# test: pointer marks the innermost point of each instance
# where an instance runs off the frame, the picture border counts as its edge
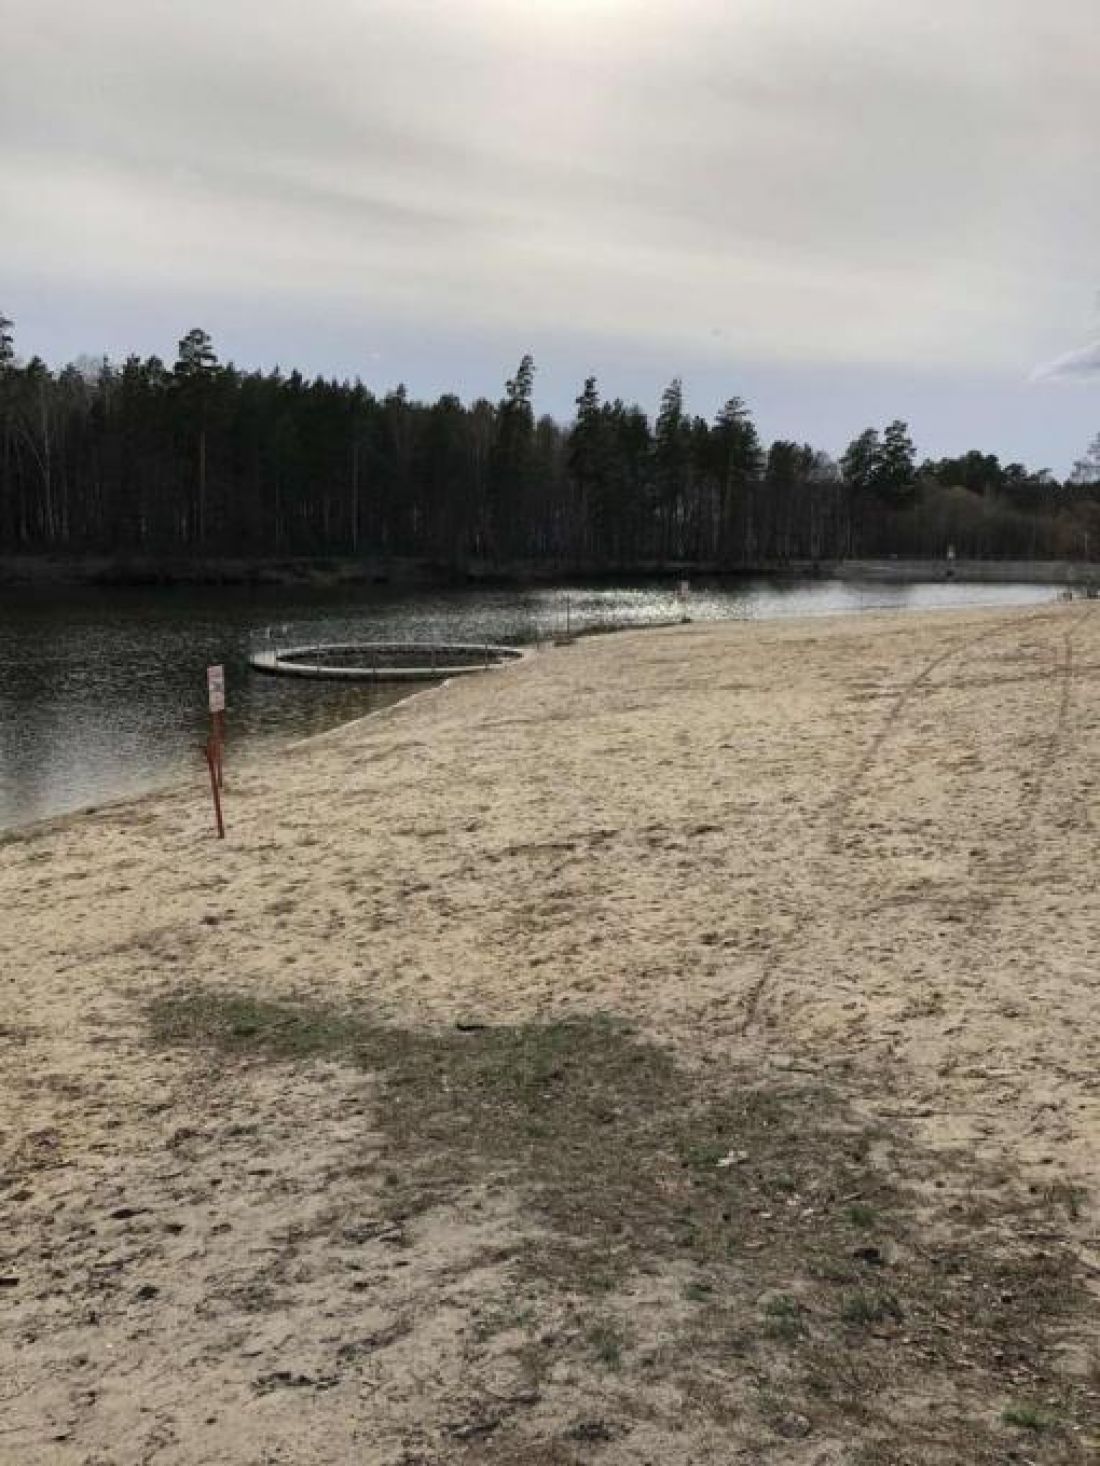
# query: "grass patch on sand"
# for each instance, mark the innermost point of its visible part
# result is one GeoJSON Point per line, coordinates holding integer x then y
{"type": "Point", "coordinates": [795, 1245]}
{"type": "Point", "coordinates": [1025, 1417]}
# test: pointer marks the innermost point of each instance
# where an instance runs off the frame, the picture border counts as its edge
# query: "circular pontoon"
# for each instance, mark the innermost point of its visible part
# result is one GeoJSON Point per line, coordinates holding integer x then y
{"type": "Point", "coordinates": [384, 661]}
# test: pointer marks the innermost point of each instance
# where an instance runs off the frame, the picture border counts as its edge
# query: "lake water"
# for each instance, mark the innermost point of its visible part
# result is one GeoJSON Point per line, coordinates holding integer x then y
{"type": "Point", "coordinates": [102, 692]}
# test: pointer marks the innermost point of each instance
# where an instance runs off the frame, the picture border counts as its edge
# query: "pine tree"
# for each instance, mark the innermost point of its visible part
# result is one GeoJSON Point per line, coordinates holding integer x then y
{"type": "Point", "coordinates": [195, 367]}
{"type": "Point", "coordinates": [589, 459]}
{"type": "Point", "coordinates": [738, 460]}
{"type": "Point", "coordinates": [895, 477]}
{"type": "Point", "coordinates": [670, 459]}
{"type": "Point", "coordinates": [511, 459]}
{"type": "Point", "coordinates": [859, 464]}
{"type": "Point", "coordinates": [1087, 469]}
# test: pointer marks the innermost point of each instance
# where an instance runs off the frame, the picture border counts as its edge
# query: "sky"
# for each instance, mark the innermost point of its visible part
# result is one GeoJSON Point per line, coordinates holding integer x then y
{"type": "Point", "coordinates": [843, 212]}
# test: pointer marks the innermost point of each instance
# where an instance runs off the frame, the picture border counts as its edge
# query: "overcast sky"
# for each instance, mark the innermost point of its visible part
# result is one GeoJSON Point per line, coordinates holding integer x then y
{"type": "Point", "coordinates": [842, 210]}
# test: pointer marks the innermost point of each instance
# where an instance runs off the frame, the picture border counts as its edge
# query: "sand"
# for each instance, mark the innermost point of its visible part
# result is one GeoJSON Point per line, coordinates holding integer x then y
{"type": "Point", "coordinates": [850, 847]}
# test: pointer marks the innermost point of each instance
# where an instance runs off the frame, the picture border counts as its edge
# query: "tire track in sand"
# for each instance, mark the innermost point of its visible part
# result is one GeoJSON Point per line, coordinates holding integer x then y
{"type": "Point", "coordinates": [839, 809]}
{"type": "Point", "coordinates": [1046, 762]}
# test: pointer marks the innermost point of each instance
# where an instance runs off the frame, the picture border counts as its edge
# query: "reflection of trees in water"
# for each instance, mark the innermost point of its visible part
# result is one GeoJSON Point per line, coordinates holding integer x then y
{"type": "Point", "coordinates": [35, 705]}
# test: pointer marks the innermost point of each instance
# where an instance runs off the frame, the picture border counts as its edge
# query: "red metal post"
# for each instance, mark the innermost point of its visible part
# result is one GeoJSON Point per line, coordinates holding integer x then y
{"type": "Point", "coordinates": [215, 783]}
{"type": "Point", "coordinates": [219, 743]}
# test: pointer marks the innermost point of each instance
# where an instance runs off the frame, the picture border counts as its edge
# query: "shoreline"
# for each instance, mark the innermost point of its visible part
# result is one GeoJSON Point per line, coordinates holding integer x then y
{"type": "Point", "coordinates": [185, 780]}
{"type": "Point", "coordinates": [851, 851]}
{"type": "Point", "coordinates": [59, 572]}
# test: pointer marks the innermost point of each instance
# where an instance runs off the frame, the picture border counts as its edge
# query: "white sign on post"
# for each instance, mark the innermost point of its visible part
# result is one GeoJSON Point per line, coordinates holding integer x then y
{"type": "Point", "coordinates": [215, 684]}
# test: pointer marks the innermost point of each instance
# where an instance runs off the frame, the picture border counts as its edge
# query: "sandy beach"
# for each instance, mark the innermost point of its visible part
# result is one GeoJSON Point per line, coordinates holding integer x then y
{"type": "Point", "coordinates": [841, 868]}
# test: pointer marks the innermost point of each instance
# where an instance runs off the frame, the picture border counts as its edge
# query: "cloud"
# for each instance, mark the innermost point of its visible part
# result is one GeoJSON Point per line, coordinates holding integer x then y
{"type": "Point", "coordinates": [864, 182]}
{"type": "Point", "coordinates": [1074, 366]}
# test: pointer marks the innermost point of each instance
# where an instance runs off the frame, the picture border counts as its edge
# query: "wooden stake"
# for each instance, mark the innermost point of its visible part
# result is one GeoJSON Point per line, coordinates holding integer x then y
{"type": "Point", "coordinates": [215, 783]}
{"type": "Point", "coordinates": [215, 683]}
{"type": "Point", "coordinates": [218, 719]}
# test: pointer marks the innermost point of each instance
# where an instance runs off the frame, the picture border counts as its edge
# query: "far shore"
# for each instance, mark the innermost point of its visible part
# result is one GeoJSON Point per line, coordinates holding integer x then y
{"type": "Point", "coordinates": [46, 571]}
{"type": "Point", "coordinates": [681, 1044]}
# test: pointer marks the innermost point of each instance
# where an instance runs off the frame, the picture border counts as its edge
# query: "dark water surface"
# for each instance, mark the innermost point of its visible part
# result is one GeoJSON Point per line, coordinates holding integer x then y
{"type": "Point", "coordinates": [102, 692]}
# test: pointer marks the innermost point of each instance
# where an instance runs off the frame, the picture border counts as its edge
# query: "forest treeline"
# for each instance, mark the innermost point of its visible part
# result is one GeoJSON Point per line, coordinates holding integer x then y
{"type": "Point", "coordinates": [198, 458]}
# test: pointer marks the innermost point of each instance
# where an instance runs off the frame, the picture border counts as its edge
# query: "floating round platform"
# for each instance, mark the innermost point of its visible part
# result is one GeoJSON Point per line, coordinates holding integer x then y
{"type": "Point", "coordinates": [384, 661]}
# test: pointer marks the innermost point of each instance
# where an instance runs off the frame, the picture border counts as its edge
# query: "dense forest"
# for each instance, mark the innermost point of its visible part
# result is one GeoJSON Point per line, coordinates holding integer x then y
{"type": "Point", "coordinates": [200, 459]}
